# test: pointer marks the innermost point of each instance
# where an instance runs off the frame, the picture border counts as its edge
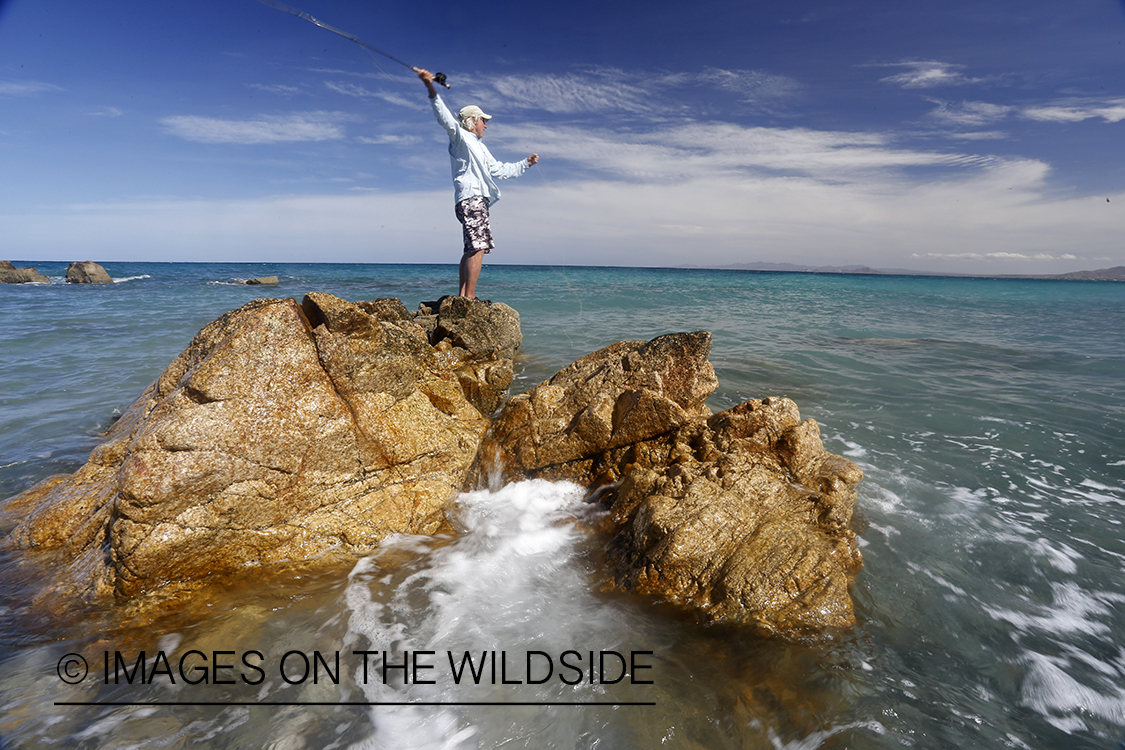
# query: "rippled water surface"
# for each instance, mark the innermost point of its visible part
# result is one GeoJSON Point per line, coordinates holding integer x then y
{"type": "Point", "coordinates": [987, 415]}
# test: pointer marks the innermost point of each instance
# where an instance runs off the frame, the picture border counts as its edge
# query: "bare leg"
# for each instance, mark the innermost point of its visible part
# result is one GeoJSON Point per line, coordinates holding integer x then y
{"type": "Point", "coordinates": [469, 273]}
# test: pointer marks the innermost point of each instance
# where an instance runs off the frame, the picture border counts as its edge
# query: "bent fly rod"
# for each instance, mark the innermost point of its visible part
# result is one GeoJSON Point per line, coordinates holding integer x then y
{"type": "Point", "coordinates": [438, 77]}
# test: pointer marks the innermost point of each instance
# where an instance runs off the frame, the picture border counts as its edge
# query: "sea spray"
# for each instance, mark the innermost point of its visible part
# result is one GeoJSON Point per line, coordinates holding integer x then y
{"type": "Point", "coordinates": [504, 614]}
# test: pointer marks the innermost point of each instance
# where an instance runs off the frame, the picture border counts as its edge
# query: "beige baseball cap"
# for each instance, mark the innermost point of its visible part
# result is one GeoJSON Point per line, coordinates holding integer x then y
{"type": "Point", "coordinates": [473, 111]}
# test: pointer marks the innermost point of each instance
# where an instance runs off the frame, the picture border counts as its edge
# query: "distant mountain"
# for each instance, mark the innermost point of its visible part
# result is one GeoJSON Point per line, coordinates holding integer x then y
{"type": "Point", "coordinates": [1117, 273]}
{"type": "Point", "coordinates": [795, 268]}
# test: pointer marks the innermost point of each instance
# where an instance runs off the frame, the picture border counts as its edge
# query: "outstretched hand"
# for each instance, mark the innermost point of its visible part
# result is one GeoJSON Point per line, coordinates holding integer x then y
{"type": "Point", "coordinates": [428, 79]}
{"type": "Point", "coordinates": [533, 160]}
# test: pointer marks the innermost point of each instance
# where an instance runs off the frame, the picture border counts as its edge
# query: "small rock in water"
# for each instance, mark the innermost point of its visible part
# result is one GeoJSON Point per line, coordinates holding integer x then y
{"type": "Point", "coordinates": [87, 272]}
{"type": "Point", "coordinates": [9, 274]}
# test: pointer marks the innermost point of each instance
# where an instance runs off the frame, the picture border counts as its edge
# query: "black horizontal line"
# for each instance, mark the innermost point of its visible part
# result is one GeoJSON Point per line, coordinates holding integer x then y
{"type": "Point", "coordinates": [355, 703]}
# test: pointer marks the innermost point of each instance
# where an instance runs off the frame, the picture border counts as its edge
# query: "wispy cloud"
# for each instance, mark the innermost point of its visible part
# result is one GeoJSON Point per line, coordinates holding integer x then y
{"type": "Point", "coordinates": [303, 126]}
{"type": "Point", "coordinates": [1110, 110]}
{"type": "Point", "coordinates": [596, 92]}
{"type": "Point", "coordinates": [361, 92]}
{"type": "Point", "coordinates": [277, 88]}
{"type": "Point", "coordinates": [751, 85]}
{"type": "Point", "coordinates": [997, 256]}
{"type": "Point", "coordinates": [612, 91]}
{"type": "Point", "coordinates": [390, 140]}
{"type": "Point", "coordinates": [105, 112]}
{"type": "Point", "coordinates": [925, 74]}
{"type": "Point", "coordinates": [26, 88]}
{"type": "Point", "coordinates": [969, 114]}
{"type": "Point", "coordinates": [702, 150]}
{"type": "Point", "coordinates": [982, 114]}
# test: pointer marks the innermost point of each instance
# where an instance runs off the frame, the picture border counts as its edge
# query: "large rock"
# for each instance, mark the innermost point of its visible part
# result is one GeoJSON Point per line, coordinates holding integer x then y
{"type": "Point", "coordinates": [9, 274]}
{"type": "Point", "coordinates": [290, 432]}
{"type": "Point", "coordinates": [742, 515]}
{"type": "Point", "coordinates": [285, 431]}
{"type": "Point", "coordinates": [622, 394]}
{"type": "Point", "coordinates": [87, 272]}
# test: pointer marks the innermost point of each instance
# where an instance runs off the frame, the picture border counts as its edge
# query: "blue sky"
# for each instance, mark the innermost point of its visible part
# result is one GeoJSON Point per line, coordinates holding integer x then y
{"type": "Point", "coordinates": [973, 137]}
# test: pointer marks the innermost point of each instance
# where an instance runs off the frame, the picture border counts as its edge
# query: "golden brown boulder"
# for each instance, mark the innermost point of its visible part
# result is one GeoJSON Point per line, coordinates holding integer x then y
{"type": "Point", "coordinates": [742, 515]}
{"type": "Point", "coordinates": [283, 432]}
{"type": "Point", "coordinates": [622, 394]}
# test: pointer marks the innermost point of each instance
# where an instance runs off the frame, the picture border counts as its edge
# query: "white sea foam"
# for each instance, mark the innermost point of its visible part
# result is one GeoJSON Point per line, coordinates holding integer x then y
{"type": "Point", "coordinates": [512, 581]}
{"type": "Point", "coordinates": [1073, 685]}
{"type": "Point", "coordinates": [1074, 610]}
{"type": "Point", "coordinates": [818, 739]}
{"type": "Point", "coordinates": [1059, 554]}
{"type": "Point", "coordinates": [123, 279]}
{"type": "Point", "coordinates": [1064, 701]}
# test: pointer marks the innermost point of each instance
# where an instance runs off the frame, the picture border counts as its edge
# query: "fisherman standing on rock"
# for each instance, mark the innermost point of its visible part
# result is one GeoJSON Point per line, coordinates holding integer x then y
{"type": "Point", "coordinates": [474, 179]}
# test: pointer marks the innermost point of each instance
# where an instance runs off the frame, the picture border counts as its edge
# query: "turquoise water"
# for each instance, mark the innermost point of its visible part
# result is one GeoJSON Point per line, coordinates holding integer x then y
{"type": "Point", "coordinates": [988, 416]}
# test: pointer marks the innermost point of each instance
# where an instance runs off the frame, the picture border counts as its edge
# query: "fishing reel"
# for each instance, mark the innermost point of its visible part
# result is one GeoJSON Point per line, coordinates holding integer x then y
{"type": "Point", "coordinates": [438, 77]}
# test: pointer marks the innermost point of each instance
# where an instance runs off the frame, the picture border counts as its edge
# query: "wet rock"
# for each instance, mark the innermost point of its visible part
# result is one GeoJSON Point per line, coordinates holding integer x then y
{"type": "Point", "coordinates": [263, 281]}
{"type": "Point", "coordinates": [741, 515]}
{"type": "Point", "coordinates": [87, 272]}
{"type": "Point", "coordinates": [9, 274]}
{"type": "Point", "coordinates": [283, 432]}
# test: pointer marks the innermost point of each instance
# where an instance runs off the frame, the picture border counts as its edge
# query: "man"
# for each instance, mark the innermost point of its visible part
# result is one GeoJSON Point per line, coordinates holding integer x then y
{"type": "Point", "coordinates": [474, 180]}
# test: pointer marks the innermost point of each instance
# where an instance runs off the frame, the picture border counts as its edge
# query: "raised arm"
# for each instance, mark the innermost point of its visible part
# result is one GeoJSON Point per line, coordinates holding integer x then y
{"type": "Point", "coordinates": [441, 112]}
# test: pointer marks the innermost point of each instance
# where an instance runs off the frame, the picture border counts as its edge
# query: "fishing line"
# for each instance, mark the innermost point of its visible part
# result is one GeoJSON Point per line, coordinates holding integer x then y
{"type": "Point", "coordinates": [438, 77]}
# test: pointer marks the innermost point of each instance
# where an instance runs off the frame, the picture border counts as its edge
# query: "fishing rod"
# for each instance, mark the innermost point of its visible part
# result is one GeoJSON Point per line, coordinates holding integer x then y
{"type": "Point", "coordinates": [438, 77]}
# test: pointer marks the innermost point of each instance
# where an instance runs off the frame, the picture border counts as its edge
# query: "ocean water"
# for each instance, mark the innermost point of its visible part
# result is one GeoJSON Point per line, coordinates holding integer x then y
{"type": "Point", "coordinates": [987, 414]}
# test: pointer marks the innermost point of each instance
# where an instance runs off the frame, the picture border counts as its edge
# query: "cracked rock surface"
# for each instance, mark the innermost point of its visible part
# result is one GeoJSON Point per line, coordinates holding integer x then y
{"type": "Point", "coordinates": [285, 431]}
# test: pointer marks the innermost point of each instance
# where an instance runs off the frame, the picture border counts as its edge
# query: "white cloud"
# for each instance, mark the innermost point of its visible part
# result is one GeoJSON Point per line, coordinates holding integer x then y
{"type": "Point", "coordinates": [26, 88]}
{"type": "Point", "coordinates": [359, 92]}
{"type": "Point", "coordinates": [750, 85]}
{"type": "Point", "coordinates": [390, 140]}
{"type": "Point", "coordinates": [276, 88]}
{"type": "Point", "coordinates": [596, 92]}
{"type": "Point", "coordinates": [702, 150]}
{"type": "Point", "coordinates": [928, 74]}
{"type": "Point", "coordinates": [998, 256]}
{"type": "Point", "coordinates": [303, 126]}
{"type": "Point", "coordinates": [106, 112]}
{"type": "Point", "coordinates": [1111, 110]}
{"type": "Point", "coordinates": [969, 114]}
{"type": "Point", "coordinates": [604, 91]}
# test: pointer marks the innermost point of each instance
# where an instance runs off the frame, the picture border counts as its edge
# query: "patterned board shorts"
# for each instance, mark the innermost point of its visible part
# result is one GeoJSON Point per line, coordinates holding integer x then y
{"type": "Point", "coordinates": [473, 215]}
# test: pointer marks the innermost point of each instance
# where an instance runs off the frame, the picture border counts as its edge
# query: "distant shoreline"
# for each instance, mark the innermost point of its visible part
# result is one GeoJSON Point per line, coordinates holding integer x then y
{"type": "Point", "coordinates": [1117, 273]}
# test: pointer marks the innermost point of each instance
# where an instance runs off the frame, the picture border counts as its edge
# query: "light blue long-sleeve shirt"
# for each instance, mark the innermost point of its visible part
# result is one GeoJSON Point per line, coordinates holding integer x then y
{"type": "Point", "coordinates": [474, 170]}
